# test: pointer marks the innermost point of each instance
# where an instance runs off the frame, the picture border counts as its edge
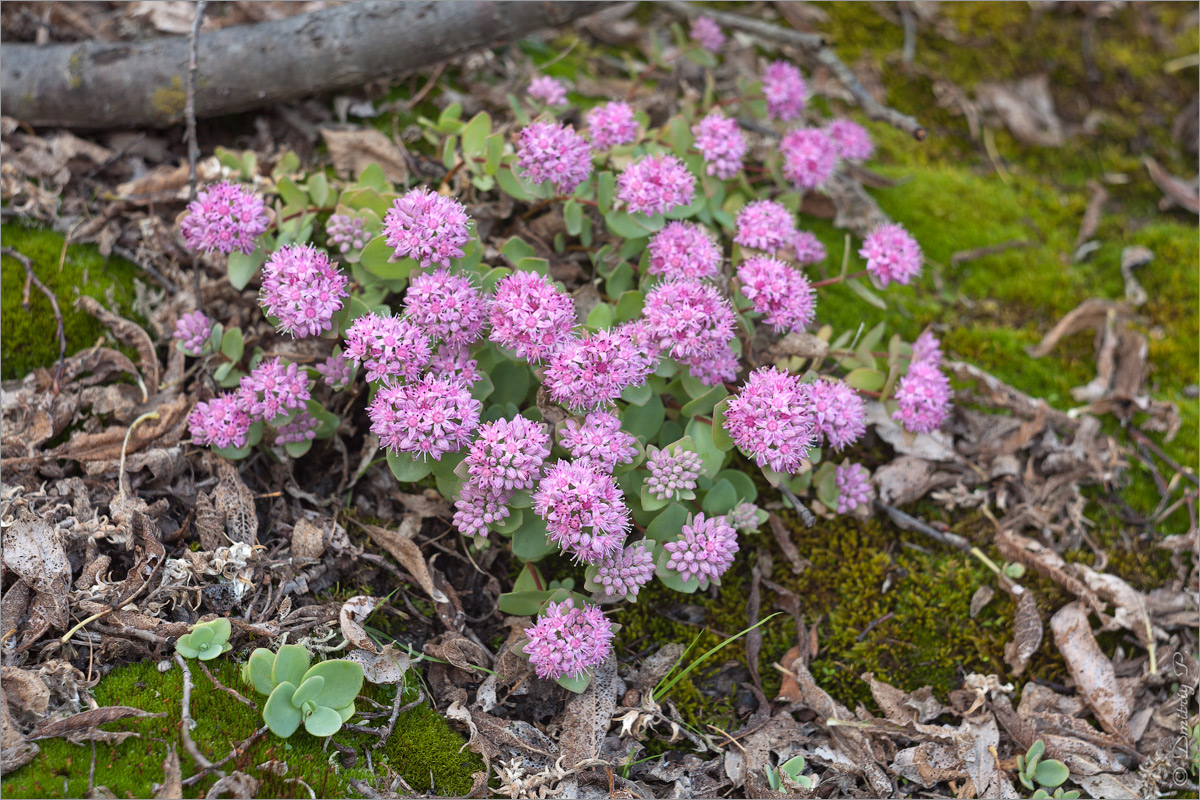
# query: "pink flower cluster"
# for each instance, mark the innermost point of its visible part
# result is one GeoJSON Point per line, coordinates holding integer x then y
{"type": "Point", "coordinates": [655, 185]}
{"type": "Point", "coordinates": [598, 441]}
{"type": "Point", "coordinates": [672, 471]}
{"type": "Point", "coordinates": [765, 225]}
{"type": "Point", "coordinates": [447, 306]}
{"type": "Point", "coordinates": [722, 144]}
{"type": "Point", "coordinates": [611, 124]}
{"type": "Point", "coordinates": [454, 361]}
{"type": "Point", "coordinates": [346, 233]}
{"type": "Point", "coordinates": [809, 157]}
{"type": "Point", "coordinates": [923, 394]}
{"type": "Point", "coordinates": [785, 90]}
{"type": "Point", "coordinates": [193, 331]}
{"type": "Point", "coordinates": [684, 250]}
{"type": "Point", "coordinates": [778, 291]}
{"type": "Point", "coordinates": [389, 347]}
{"type": "Point", "coordinates": [548, 151]}
{"type": "Point", "coordinates": [272, 388]}
{"type": "Point", "coordinates": [688, 320]}
{"type": "Point", "coordinates": [838, 411]}
{"type": "Point", "coordinates": [548, 90]}
{"type": "Point", "coordinates": [852, 141]}
{"type": "Point", "coordinates": [704, 549]}
{"type": "Point", "coordinates": [770, 420]}
{"type": "Point", "coordinates": [626, 571]}
{"type": "Point", "coordinates": [717, 368]}
{"type": "Point", "coordinates": [744, 517]}
{"type": "Point", "coordinates": [808, 247]}
{"type": "Point", "coordinates": [478, 509]}
{"type": "Point", "coordinates": [220, 422]}
{"type": "Point", "coordinates": [854, 487]}
{"type": "Point", "coordinates": [302, 289]}
{"type": "Point", "coordinates": [589, 372]}
{"type": "Point", "coordinates": [584, 510]}
{"type": "Point", "coordinates": [336, 371]}
{"type": "Point", "coordinates": [427, 227]}
{"type": "Point", "coordinates": [568, 641]}
{"type": "Point", "coordinates": [224, 218]}
{"type": "Point", "coordinates": [892, 254]}
{"type": "Point", "coordinates": [707, 34]}
{"type": "Point", "coordinates": [428, 419]}
{"type": "Point", "coordinates": [530, 316]}
{"type": "Point", "coordinates": [507, 456]}
{"type": "Point", "coordinates": [301, 429]}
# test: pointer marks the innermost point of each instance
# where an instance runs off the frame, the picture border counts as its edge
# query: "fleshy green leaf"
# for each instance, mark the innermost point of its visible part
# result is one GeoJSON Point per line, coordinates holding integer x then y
{"type": "Point", "coordinates": [530, 542]}
{"type": "Point", "coordinates": [280, 715]}
{"type": "Point", "coordinates": [742, 482]}
{"type": "Point", "coordinates": [720, 437]}
{"type": "Point", "coordinates": [221, 629]}
{"type": "Point", "coordinates": [672, 579]}
{"type": "Point", "coordinates": [720, 499]}
{"type": "Point", "coordinates": [324, 721]}
{"type": "Point", "coordinates": [523, 604]}
{"type": "Point", "coordinates": [242, 267]}
{"type": "Point", "coordinates": [475, 134]}
{"type": "Point", "coordinates": [343, 682]}
{"type": "Point", "coordinates": [308, 690]}
{"type": "Point", "coordinates": [406, 468]}
{"type": "Point", "coordinates": [257, 672]}
{"type": "Point", "coordinates": [577, 684]}
{"type": "Point", "coordinates": [232, 344]}
{"type": "Point", "coordinates": [645, 420]}
{"type": "Point", "coordinates": [346, 713]}
{"type": "Point", "coordinates": [667, 525]}
{"type": "Point", "coordinates": [200, 636]}
{"type": "Point", "coordinates": [183, 646]}
{"type": "Point", "coordinates": [291, 662]}
{"type": "Point", "coordinates": [1051, 773]}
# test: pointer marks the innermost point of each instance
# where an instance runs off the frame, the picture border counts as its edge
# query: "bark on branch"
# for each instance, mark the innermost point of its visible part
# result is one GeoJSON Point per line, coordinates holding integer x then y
{"type": "Point", "coordinates": [96, 85]}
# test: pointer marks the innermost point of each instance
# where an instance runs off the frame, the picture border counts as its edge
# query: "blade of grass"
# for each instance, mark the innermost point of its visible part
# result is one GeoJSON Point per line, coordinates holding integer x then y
{"type": "Point", "coordinates": [660, 691]}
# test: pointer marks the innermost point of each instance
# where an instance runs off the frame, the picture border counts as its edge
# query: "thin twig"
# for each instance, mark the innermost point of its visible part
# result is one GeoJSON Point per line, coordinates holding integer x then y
{"type": "Point", "coordinates": [189, 115]}
{"type": "Point", "coordinates": [806, 516]}
{"type": "Point", "coordinates": [125, 448]}
{"type": "Point", "coordinates": [30, 278]}
{"type": "Point", "coordinates": [814, 43]}
{"type": "Point", "coordinates": [397, 710]}
{"type": "Point", "coordinates": [188, 722]}
{"type": "Point", "coordinates": [963, 256]}
{"type": "Point", "coordinates": [236, 751]}
{"type": "Point", "coordinates": [911, 523]}
{"type": "Point", "coordinates": [234, 693]}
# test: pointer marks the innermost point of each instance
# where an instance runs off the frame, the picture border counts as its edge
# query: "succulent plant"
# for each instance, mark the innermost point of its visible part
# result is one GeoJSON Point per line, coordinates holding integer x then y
{"type": "Point", "coordinates": [793, 768]}
{"type": "Point", "coordinates": [206, 640]}
{"type": "Point", "coordinates": [321, 696]}
{"type": "Point", "coordinates": [1035, 772]}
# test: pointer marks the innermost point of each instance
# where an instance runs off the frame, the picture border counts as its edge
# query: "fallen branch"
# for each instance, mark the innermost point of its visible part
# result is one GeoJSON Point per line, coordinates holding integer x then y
{"type": "Point", "coordinates": [234, 693]}
{"type": "Point", "coordinates": [30, 278]}
{"type": "Point", "coordinates": [94, 85]}
{"type": "Point", "coordinates": [187, 722]}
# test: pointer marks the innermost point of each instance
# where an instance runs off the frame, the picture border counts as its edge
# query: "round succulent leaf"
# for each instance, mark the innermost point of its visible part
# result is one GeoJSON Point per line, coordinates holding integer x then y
{"type": "Point", "coordinates": [257, 671]}
{"type": "Point", "coordinates": [200, 637]}
{"type": "Point", "coordinates": [346, 712]}
{"type": "Point", "coordinates": [221, 629]}
{"type": "Point", "coordinates": [577, 683]}
{"type": "Point", "coordinates": [343, 681]}
{"type": "Point", "coordinates": [308, 690]}
{"type": "Point", "coordinates": [323, 721]}
{"type": "Point", "coordinates": [291, 662]}
{"type": "Point", "coordinates": [672, 579]}
{"type": "Point", "coordinates": [1051, 773]}
{"type": "Point", "coordinates": [183, 646]}
{"type": "Point", "coordinates": [211, 651]}
{"type": "Point", "coordinates": [280, 715]}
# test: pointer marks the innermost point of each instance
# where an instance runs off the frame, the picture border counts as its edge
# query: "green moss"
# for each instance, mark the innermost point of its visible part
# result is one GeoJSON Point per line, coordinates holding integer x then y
{"type": "Point", "coordinates": [27, 337]}
{"type": "Point", "coordinates": [423, 749]}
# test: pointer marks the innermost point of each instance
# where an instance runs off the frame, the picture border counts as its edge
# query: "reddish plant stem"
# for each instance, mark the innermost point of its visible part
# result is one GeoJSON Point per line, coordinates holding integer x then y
{"type": "Point", "coordinates": [839, 279]}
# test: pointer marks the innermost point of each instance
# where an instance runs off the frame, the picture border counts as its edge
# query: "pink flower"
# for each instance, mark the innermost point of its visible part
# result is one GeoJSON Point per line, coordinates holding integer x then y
{"type": "Point", "coordinates": [427, 227]}
{"type": "Point", "coordinates": [224, 218]}
{"type": "Point", "coordinates": [567, 641]}
{"type": "Point", "coordinates": [683, 250]}
{"type": "Point", "coordinates": [892, 254]}
{"type": "Point", "coordinates": [851, 139]}
{"type": "Point", "coordinates": [838, 411]}
{"type": "Point", "coordinates": [301, 429]}
{"type": "Point", "coordinates": [704, 549]}
{"type": "Point", "coordinates": [530, 316]}
{"type": "Point", "coordinates": [389, 347]}
{"type": "Point", "coordinates": [922, 398]}
{"type": "Point", "coordinates": [429, 418]}
{"type": "Point", "coordinates": [716, 368]}
{"type": "Point", "coordinates": [778, 291]}
{"type": "Point", "coordinates": [770, 420]}
{"type": "Point", "coordinates": [220, 422]}
{"type": "Point", "coordinates": [785, 90]}
{"type": "Point", "coordinates": [808, 247]}
{"type": "Point", "coordinates": [271, 389]}
{"type": "Point", "coordinates": [688, 319]}
{"type": "Point", "coordinates": [598, 441]}
{"type": "Point", "coordinates": [453, 361]}
{"type": "Point", "coordinates": [548, 90]}
{"type": "Point", "coordinates": [854, 487]}
{"type": "Point", "coordinates": [744, 517]}
{"type": "Point", "coordinates": [548, 151]}
{"type": "Point", "coordinates": [584, 510]}
{"type": "Point", "coordinates": [591, 371]}
{"type": "Point", "coordinates": [447, 306]}
{"type": "Point", "coordinates": [765, 225]}
{"type": "Point", "coordinates": [655, 185]}
{"type": "Point", "coordinates": [611, 124]}
{"type": "Point", "coordinates": [626, 571]}
{"type": "Point", "coordinates": [809, 157]}
{"type": "Point", "coordinates": [672, 471]}
{"type": "Point", "coordinates": [477, 509]}
{"type": "Point", "coordinates": [346, 233]}
{"type": "Point", "coordinates": [927, 348]}
{"type": "Point", "coordinates": [193, 332]}
{"type": "Point", "coordinates": [707, 34]}
{"type": "Point", "coordinates": [337, 371]}
{"type": "Point", "coordinates": [722, 144]}
{"type": "Point", "coordinates": [507, 455]}
{"type": "Point", "coordinates": [302, 289]}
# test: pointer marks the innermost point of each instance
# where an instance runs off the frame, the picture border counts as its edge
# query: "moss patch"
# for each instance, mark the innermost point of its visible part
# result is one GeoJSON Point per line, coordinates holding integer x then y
{"type": "Point", "coordinates": [423, 749]}
{"type": "Point", "coordinates": [27, 336]}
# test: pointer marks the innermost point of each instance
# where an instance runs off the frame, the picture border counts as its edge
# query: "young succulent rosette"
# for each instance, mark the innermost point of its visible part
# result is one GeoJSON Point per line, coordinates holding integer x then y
{"type": "Point", "coordinates": [321, 696]}
{"type": "Point", "coordinates": [206, 640]}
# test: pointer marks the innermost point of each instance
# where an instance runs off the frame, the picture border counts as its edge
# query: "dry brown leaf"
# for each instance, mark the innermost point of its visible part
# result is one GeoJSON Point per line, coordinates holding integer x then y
{"type": "Point", "coordinates": [234, 501]}
{"type": "Point", "coordinates": [15, 750]}
{"type": "Point", "coordinates": [402, 548]}
{"type": "Point", "coordinates": [1176, 191]}
{"type": "Point", "coordinates": [85, 720]}
{"type": "Point", "coordinates": [131, 334]}
{"type": "Point", "coordinates": [161, 183]}
{"type": "Point", "coordinates": [352, 151]}
{"type": "Point", "coordinates": [25, 692]}
{"type": "Point", "coordinates": [388, 666]}
{"type": "Point", "coordinates": [353, 615]}
{"type": "Point", "coordinates": [1026, 108]}
{"type": "Point", "coordinates": [106, 444]}
{"type": "Point", "coordinates": [588, 715]}
{"type": "Point", "coordinates": [904, 708]}
{"type": "Point", "coordinates": [236, 785]}
{"type": "Point", "coordinates": [983, 595]}
{"type": "Point", "coordinates": [150, 558]}
{"type": "Point", "coordinates": [34, 550]}
{"type": "Point", "coordinates": [1092, 671]}
{"type": "Point", "coordinates": [1048, 564]}
{"type": "Point", "coordinates": [1027, 630]}
{"type": "Point", "coordinates": [172, 785]}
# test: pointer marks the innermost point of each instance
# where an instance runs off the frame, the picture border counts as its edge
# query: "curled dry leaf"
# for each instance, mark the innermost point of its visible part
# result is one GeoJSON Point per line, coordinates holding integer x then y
{"type": "Point", "coordinates": [105, 445]}
{"type": "Point", "coordinates": [86, 720]}
{"type": "Point", "coordinates": [235, 784]}
{"type": "Point", "coordinates": [308, 540]}
{"type": "Point", "coordinates": [150, 558]}
{"type": "Point", "coordinates": [588, 715]}
{"type": "Point", "coordinates": [401, 546]}
{"type": "Point", "coordinates": [1176, 191]}
{"type": "Point", "coordinates": [354, 150]}
{"type": "Point", "coordinates": [353, 616]}
{"type": "Point", "coordinates": [1091, 670]}
{"type": "Point", "coordinates": [388, 666]}
{"type": "Point", "coordinates": [25, 693]}
{"type": "Point", "coordinates": [1026, 108]}
{"type": "Point", "coordinates": [234, 501]}
{"type": "Point", "coordinates": [15, 750]}
{"type": "Point", "coordinates": [172, 785]}
{"type": "Point", "coordinates": [33, 550]}
{"type": "Point", "coordinates": [131, 334]}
